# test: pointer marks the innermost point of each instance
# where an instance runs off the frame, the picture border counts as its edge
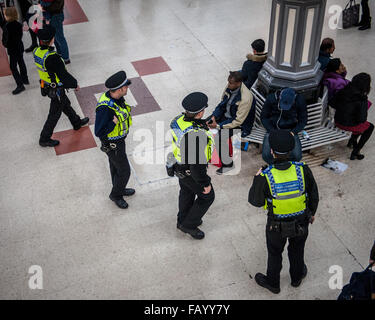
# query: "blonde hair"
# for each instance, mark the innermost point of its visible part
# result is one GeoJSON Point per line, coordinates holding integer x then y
{"type": "Point", "coordinates": [11, 14]}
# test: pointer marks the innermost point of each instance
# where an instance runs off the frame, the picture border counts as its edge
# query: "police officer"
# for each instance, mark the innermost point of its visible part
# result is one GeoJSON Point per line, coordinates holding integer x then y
{"type": "Point", "coordinates": [54, 79]}
{"type": "Point", "coordinates": [112, 124]}
{"type": "Point", "coordinates": [192, 150]}
{"type": "Point", "coordinates": [289, 192]}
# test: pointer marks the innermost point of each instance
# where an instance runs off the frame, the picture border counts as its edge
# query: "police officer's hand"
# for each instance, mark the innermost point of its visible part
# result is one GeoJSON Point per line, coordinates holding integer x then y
{"type": "Point", "coordinates": [115, 119]}
{"type": "Point", "coordinates": [207, 190]}
{"type": "Point", "coordinates": [372, 254]}
{"type": "Point", "coordinates": [312, 219]}
{"type": "Point", "coordinates": [259, 172]}
{"type": "Point", "coordinates": [213, 123]}
{"type": "Point", "coordinates": [77, 89]}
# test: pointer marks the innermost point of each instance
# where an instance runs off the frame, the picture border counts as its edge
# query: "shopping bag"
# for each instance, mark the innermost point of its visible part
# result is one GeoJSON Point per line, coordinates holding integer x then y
{"type": "Point", "coordinates": [350, 15]}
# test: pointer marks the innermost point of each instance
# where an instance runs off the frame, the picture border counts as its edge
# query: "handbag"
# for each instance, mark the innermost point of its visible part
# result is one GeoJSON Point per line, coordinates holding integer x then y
{"type": "Point", "coordinates": [350, 15]}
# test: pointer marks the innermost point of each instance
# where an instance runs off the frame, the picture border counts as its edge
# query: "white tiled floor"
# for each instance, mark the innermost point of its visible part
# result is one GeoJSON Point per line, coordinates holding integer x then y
{"type": "Point", "coordinates": [55, 211]}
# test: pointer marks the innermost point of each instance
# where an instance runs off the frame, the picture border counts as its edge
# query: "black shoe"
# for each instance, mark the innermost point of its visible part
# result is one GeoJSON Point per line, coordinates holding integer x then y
{"type": "Point", "coordinates": [298, 283]}
{"type": "Point", "coordinates": [49, 143]}
{"type": "Point", "coordinates": [120, 202]}
{"type": "Point", "coordinates": [84, 121]}
{"type": "Point", "coordinates": [195, 233]}
{"type": "Point", "coordinates": [366, 25]}
{"type": "Point", "coordinates": [129, 192]}
{"type": "Point", "coordinates": [261, 280]}
{"type": "Point", "coordinates": [224, 169]}
{"type": "Point", "coordinates": [356, 156]}
{"type": "Point", "coordinates": [18, 90]}
{"type": "Point", "coordinates": [67, 61]}
{"type": "Point", "coordinates": [26, 81]}
{"type": "Point", "coordinates": [31, 48]}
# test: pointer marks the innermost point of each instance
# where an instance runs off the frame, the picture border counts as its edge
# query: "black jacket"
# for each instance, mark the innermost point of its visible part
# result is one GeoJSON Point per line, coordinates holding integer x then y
{"type": "Point", "coordinates": [54, 64]}
{"type": "Point", "coordinates": [351, 106]}
{"type": "Point", "coordinates": [56, 7]}
{"type": "Point", "coordinates": [198, 169]}
{"type": "Point", "coordinates": [260, 191]}
{"type": "Point", "coordinates": [273, 118]}
{"type": "Point", "coordinates": [251, 68]}
{"type": "Point", "coordinates": [12, 37]}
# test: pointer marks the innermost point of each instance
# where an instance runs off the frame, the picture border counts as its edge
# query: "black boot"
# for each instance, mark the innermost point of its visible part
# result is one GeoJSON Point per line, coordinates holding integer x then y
{"type": "Point", "coordinates": [195, 233]}
{"type": "Point", "coordinates": [18, 90]}
{"type": "Point", "coordinates": [360, 23]}
{"type": "Point", "coordinates": [83, 122]}
{"type": "Point", "coordinates": [49, 143]}
{"type": "Point", "coordinates": [262, 281]}
{"type": "Point", "coordinates": [120, 202]}
{"type": "Point", "coordinates": [356, 155]}
{"type": "Point", "coordinates": [366, 25]}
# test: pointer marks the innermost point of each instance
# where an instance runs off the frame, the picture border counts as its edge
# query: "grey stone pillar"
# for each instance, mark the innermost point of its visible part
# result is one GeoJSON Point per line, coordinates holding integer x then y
{"type": "Point", "coordinates": [294, 41]}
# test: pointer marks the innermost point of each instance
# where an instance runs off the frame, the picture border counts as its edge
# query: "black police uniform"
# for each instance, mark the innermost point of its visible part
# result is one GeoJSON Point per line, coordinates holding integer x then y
{"type": "Point", "coordinates": [193, 177]}
{"type": "Point", "coordinates": [258, 195]}
{"type": "Point", "coordinates": [115, 149]}
{"type": "Point", "coordinates": [59, 102]}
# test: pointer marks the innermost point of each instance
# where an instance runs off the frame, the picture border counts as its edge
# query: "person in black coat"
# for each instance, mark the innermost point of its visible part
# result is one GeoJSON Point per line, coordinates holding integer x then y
{"type": "Point", "coordinates": [285, 110]}
{"type": "Point", "coordinates": [351, 104]}
{"type": "Point", "coordinates": [365, 22]}
{"type": "Point", "coordinates": [254, 63]}
{"type": "Point", "coordinates": [12, 40]}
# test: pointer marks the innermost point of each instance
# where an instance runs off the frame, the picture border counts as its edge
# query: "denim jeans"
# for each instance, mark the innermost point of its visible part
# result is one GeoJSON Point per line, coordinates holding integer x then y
{"type": "Point", "coordinates": [295, 155]}
{"type": "Point", "coordinates": [60, 41]}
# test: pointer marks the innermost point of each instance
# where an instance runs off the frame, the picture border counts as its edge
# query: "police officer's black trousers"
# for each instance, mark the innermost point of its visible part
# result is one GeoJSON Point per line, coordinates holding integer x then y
{"type": "Point", "coordinates": [296, 250]}
{"type": "Point", "coordinates": [120, 169]}
{"type": "Point", "coordinates": [58, 106]}
{"type": "Point", "coordinates": [193, 204]}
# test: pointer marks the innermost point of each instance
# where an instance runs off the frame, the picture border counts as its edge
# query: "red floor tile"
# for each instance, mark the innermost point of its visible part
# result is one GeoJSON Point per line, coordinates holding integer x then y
{"type": "Point", "coordinates": [151, 66]}
{"type": "Point", "coordinates": [73, 12]}
{"type": "Point", "coordinates": [4, 63]}
{"type": "Point", "coordinates": [73, 141]}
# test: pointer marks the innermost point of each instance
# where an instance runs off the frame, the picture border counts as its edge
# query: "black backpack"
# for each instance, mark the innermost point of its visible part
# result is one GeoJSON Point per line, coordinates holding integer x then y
{"type": "Point", "coordinates": [360, 287]}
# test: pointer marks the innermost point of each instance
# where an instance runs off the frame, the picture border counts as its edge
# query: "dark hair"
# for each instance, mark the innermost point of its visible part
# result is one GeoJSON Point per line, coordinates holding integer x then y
{"type": "Point", "coordinates": [327, 43]}
{"type": "Point", "coordinates": [333, 65]}
{"type": "Point", "coordinates": [362, 82]}
{"type": "Point", "coordinates": [258, 45]}
{"type": "Point", "coordinates": [236, 76]}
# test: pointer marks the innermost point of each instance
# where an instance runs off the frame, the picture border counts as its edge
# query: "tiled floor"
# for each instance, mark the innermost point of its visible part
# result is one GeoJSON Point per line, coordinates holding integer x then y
{"type": "Point", "coordinates": [73, 141]}
{"type": "Point", "coordinates": [73, 13]}
{"type": "Point", "coordinates": [55, 211]}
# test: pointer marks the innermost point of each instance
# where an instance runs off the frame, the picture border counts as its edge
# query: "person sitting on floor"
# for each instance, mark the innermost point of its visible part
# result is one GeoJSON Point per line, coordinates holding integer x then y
{"type": "Point", "coordinates": [334, 77]}
{"type": "Point", "coordinates": [352, 104]}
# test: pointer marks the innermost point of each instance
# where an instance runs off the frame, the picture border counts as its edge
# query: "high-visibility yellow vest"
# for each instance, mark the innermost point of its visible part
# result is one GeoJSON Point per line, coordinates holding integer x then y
{"type": "Point", "coordinates": [288, 190]}
{"type": "Point", "coordinates": [40, 57]}
{"type": "Point", "coordinates": [180, 128]}
{"type": "Point", "coordinates": [123, 115]}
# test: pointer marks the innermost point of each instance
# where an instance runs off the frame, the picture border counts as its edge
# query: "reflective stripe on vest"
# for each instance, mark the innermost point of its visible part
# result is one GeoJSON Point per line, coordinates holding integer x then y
{"type": "Point", "coordinates": [121, 129]}
{"type": "Point", "coordinates": [40, 57]}
{"type": "Point", "coordinates": [287, 189]}
{"type": "Point", "coordinates": [180, 128]}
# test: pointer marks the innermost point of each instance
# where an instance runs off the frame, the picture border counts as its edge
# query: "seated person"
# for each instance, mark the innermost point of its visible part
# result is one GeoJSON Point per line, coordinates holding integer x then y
{"type": "Point", "coordinates": [326, 50]}
{"type": "Point", "coordinates": [234, 110]}
{"type": "Point", "coordinates": [285, 110]}
{"type": "Point", "coordinates": [351, 104]}
{"type": "Point", "coordinates": [334, 77]}
{"type": "Point", "coordinates": [254, 63]}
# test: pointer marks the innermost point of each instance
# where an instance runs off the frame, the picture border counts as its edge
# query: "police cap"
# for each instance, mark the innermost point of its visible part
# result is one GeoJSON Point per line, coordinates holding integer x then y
{"type": "Point", "coordinates": [117, 81]}
{"type": "Point", "coordinates": [195, 102]}
{"type": "Point", "coordinates": [281, 141]}
{"type": "Point", "coordinates": [46, 33]}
